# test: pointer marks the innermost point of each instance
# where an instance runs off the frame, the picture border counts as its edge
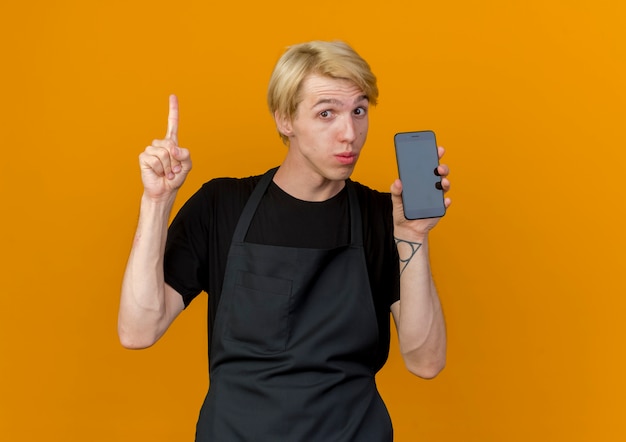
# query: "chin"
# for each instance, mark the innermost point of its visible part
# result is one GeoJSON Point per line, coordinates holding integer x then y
{"type": "Point", "coordinates": [343, 174]}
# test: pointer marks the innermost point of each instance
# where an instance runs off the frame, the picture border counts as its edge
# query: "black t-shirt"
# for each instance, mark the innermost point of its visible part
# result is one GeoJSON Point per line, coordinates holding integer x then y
{"type": "Point", "coordinates": [199, 238]}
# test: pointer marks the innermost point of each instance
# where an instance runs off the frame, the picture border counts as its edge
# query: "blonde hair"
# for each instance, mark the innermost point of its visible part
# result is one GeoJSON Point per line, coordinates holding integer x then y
{"type": "Point", "coordinates": [332, 59]}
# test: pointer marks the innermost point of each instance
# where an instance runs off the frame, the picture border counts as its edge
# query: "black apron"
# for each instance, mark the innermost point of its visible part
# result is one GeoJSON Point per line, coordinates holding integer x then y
{"type": "Point", "coordinates": [293, 349]}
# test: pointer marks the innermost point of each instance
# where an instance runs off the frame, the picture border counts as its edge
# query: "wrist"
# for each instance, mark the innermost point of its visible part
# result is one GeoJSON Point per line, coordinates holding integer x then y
{"type": "Point", "coordinates": [158, 203]}
{"type": "Point", "coordinates": [410, 235]}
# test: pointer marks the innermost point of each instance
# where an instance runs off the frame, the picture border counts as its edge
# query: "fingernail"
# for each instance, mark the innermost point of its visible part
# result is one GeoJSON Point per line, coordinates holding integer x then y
{"type": "Point", "coordinates": [437, 171]}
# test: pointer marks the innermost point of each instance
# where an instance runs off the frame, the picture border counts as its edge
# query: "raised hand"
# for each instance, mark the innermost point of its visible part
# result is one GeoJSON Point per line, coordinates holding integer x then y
{"type": "Point", "coordinates": [164, 164]}
{"type": "Point", "coordinates": [419, 226]}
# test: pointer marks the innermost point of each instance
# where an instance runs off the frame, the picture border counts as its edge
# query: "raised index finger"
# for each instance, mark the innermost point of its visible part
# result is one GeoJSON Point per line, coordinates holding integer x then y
{"type": "Point", "coordinates": [172, 120]}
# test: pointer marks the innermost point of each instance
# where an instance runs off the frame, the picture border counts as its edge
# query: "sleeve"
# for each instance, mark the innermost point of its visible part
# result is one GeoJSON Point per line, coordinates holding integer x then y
{"type": "Point", "coordinates": [391, 269]}
{"type": "Point", "coordinates": [199, 237]}
{"type": "Point", "coordinates": [381, 251]}
{"type": "Point", "coordinates": [382, 261]}
{"type": "Point", "coordinates": [187, 246]}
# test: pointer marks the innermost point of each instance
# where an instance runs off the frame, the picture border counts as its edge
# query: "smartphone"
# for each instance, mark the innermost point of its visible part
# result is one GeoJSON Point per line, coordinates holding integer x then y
{"type": "Point", "coordinates": [418, 158]}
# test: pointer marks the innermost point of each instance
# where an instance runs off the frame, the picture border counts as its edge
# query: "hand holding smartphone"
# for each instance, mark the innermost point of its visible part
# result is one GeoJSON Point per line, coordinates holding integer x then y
{"type": "Point", "coordinates": [418, 158]}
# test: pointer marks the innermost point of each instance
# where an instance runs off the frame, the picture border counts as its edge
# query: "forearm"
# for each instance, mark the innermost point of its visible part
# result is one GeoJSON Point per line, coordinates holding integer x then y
{"type": "Point", "coordinates": [419, 316]}
{"type": "Point", "coordinates": [143, 314]}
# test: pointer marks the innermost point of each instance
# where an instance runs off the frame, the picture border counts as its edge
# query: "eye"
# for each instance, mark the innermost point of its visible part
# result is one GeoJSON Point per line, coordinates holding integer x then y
{"type": "Point", "coordinates": [360, 111]}
{"type": "Point", "coordinates": [325, 114]}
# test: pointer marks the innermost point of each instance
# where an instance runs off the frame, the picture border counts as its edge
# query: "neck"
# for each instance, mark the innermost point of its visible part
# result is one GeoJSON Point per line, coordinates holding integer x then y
{"type": "Point", "coordinates": [306, 186]}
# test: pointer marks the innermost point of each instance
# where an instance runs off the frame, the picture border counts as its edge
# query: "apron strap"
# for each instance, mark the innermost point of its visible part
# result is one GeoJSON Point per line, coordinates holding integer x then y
{"type": "Point", "coordinates": [250, 208]}
{"type": "Point", "coordinates": [356, 225]}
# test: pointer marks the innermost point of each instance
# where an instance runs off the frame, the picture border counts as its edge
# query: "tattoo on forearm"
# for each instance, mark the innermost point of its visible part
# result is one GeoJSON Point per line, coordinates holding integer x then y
{"type": "Point", "coordinates": [415, 246]}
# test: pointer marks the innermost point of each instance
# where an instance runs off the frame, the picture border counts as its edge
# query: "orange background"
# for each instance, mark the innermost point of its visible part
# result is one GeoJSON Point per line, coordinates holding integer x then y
{"type": "Point", "coordinates": [528, 97]}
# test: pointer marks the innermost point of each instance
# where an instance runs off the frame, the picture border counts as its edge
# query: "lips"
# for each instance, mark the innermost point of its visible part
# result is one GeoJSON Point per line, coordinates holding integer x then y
{"type": "Point", "coordinates": [347, 158]}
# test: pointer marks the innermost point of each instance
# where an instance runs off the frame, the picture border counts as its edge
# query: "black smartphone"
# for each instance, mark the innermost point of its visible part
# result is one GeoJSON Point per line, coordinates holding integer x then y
{"type": "Point", "coordinates": [418, 158]}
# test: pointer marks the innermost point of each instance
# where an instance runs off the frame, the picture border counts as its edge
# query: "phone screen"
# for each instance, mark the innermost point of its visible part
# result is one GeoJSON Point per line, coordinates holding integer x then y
{"type": "Point", "coordinates": [417, 157]}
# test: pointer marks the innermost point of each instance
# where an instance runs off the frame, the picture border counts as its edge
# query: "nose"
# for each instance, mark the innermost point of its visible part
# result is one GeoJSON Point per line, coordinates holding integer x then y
{"type": "Point", "coordinates": [348, 130]}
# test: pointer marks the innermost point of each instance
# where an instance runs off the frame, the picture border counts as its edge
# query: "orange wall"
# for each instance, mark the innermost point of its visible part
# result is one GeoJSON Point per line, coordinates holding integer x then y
{"type": "Point", "coordinates": [528, 97]}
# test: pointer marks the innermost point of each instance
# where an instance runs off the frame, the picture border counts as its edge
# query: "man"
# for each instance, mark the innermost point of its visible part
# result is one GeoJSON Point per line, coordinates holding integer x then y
{"type": "Point", "coordinates": [301, 266]}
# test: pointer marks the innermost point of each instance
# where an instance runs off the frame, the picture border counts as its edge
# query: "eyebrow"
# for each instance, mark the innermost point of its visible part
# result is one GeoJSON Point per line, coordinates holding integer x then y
{"type": "Point", "coordinates": [338, 102]}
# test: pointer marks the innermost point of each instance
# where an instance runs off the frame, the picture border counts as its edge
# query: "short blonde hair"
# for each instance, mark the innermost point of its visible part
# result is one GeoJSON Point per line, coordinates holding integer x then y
{"type": "Point", "coordinates": [332, 59]}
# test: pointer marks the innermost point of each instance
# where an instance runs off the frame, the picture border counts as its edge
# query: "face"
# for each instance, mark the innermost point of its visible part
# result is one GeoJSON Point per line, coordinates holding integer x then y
{"type": "Point", "coordinates": [329, 129]}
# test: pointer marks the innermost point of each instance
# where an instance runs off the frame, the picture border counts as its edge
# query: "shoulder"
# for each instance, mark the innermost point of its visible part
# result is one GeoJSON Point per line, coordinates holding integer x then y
{"type": "Point", "coordinates": [231, 187]}
{"type": "Point", "coordinates": [224, 191]}
{"type": "Point", "coordinates": [219, 195]}
{"type": "Point", "coordinates": [372, 198]}
{"type": "Point", "coordinates": [376, 211]}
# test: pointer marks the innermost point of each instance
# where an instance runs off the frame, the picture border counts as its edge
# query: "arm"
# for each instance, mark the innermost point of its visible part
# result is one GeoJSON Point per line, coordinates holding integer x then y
{"type": "Point", "coordinates": [418, 315]}
{"type": "Point", "coordinates": [148, 305]}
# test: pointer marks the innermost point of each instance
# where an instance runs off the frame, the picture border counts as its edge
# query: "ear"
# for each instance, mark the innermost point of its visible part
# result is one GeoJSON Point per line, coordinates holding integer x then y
{"type": "Point", "coordinates": [283, 124]}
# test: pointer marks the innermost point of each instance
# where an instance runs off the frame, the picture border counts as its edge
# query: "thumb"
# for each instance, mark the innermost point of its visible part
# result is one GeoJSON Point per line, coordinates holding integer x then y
{"type": "Point", "coordinates": [396, 189]}
{"type": "Point", "coordinates": [396, 200]}
{"type": "Point", "coordinates": [183, 156]}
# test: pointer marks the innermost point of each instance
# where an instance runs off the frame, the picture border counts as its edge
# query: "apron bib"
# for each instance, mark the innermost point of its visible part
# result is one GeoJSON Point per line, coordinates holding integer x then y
{"type": "Point", "coordinates": [294, 344]}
